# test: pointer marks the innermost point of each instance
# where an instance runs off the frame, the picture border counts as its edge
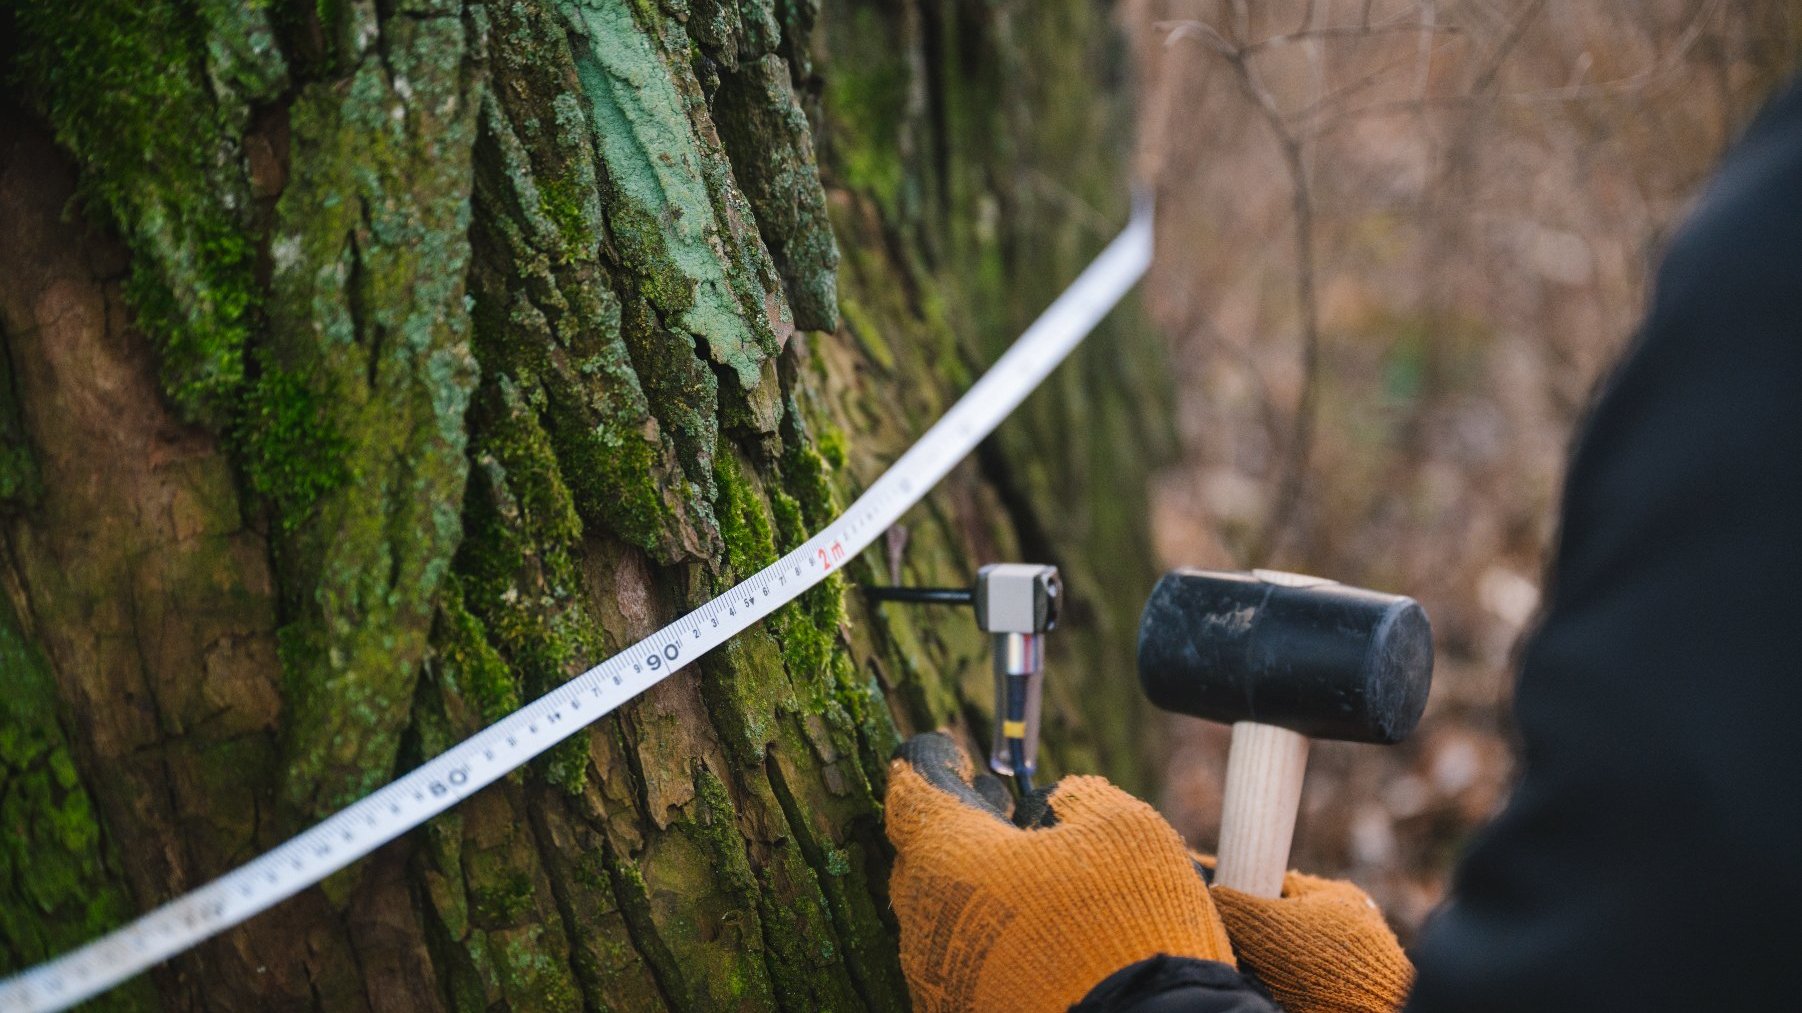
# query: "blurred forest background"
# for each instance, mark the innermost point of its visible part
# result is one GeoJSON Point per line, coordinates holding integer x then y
{"type": "Point", "coordinates": [1399, 242]}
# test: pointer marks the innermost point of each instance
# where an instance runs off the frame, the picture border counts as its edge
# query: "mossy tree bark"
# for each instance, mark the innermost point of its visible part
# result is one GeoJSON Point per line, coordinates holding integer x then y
{"type": "Point", "coordinates": [371, 367]}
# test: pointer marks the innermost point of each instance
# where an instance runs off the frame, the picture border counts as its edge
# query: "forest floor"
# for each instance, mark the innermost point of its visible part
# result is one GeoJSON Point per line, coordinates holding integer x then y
{"type": "Point", "coordinates": [1481, 190]}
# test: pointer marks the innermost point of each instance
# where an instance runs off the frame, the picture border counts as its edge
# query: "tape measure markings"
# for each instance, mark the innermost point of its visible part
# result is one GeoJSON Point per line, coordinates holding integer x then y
{"type": "Point", "coordinates": [509, 743]}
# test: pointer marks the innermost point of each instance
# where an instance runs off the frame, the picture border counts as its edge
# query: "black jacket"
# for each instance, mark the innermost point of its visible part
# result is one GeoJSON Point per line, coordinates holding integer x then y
{"type": "Point", "coordinates": [1649, 858]}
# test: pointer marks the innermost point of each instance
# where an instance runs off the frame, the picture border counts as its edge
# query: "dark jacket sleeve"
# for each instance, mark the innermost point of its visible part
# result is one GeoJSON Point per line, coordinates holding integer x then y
{"type": "Point", "coordinates": [1651, 856]}
{"type": "Point", "coordinates": [1176, 985]}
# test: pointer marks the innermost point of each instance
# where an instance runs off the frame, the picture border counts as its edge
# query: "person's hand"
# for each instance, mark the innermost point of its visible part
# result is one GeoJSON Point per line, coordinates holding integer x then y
{"type": "Point", "coordinates": [996, 917]}
{"type": "Point", "coordinates": [1322, 947]}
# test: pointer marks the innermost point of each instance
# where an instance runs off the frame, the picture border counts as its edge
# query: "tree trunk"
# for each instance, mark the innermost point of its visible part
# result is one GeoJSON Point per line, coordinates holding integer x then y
{"type": "Point", "coordinates": [369, 368]}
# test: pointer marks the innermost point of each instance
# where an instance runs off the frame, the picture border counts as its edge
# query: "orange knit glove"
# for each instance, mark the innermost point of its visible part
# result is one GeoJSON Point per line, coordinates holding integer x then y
{"type": "Point", "coordinates": [996, 917]}
{"type": "Point", "coordinates": [1323, 947]}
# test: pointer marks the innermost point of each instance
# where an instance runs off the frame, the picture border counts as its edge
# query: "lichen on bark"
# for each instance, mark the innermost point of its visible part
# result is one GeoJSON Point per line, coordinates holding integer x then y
{"type": "Point", "coordinates": [675, 217]}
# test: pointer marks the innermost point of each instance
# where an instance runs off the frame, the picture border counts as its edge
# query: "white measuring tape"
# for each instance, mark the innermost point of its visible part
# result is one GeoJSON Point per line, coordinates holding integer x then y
{"type": "Point", "coordinates": [493, 752]}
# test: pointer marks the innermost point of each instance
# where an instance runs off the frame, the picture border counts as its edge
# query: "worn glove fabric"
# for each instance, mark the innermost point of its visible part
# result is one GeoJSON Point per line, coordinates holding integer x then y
{"type": "Point", "coordinates": [996, 917]}
{"type": "Point", "coordinates": [1322, 947]}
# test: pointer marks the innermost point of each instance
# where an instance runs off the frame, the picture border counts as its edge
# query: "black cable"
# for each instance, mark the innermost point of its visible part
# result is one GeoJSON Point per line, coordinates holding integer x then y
{"type": "Point", "coordinates": [1016, 756]}
{"type": "Point", "coordinates": [1014, 711]}
{"type": "Point", "coordinates": [922, 595]}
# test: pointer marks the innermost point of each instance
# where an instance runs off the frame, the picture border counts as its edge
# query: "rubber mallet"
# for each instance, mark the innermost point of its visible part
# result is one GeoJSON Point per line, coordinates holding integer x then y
{"type": "Point", "coordinates": [1282, 658]}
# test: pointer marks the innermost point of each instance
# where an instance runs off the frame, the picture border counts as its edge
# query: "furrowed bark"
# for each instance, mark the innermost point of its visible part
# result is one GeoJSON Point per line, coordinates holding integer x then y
{"type": "Point", "coordinates": [371, 368]}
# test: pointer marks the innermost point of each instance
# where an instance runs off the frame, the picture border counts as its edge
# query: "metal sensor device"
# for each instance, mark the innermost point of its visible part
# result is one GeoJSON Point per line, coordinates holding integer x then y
{"type": "Point", "coordinates": [1016, 604]}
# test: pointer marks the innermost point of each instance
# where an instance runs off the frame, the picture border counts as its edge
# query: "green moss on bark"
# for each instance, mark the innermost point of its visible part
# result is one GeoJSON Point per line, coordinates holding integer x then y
{"type": "Point", "coordinates": [369, 331]}
{"type": "Point", "coordinates": [292, 450]}
{"type": "Point", "coordinates": [518, 563]}
{"type": "Point", "coordinates": [476, 680]}
{"type": "Point", "coordinates": [64, 884]}
{"type": "Point", "coordinates": [807, 629]}
{"type": "Point", "coordinates": [750, 543]}
{"type": "Point", "coordinates": [151, 99]}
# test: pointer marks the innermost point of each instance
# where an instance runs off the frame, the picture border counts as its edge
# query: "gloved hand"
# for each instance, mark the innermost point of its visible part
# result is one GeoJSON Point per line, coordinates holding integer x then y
{"type": "Point", "coordinates": [995, 917]}
{"type": "Point", "coordinates": [1322, 947]}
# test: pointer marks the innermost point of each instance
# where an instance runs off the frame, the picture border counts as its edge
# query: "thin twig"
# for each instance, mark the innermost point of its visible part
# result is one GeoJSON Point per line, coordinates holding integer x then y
{"type": "Point", "coordinates": [1201, 29]}
{"type": "Point", "coordinates": [1340, 31]}
{"type": "Point", "coordinates": [1293, 469]}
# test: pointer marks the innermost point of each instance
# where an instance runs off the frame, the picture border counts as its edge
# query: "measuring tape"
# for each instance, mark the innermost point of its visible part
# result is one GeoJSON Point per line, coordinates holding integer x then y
{"type": "Point", "coordinates": [495, 751]}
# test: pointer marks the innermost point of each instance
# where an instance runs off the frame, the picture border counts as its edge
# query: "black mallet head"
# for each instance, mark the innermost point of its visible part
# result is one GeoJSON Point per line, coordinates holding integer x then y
{"type": "Point", "coordinates": [1307, 654]}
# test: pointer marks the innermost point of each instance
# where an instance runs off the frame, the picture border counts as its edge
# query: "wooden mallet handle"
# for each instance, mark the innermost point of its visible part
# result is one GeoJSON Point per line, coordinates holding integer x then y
{"type": "Point", "coordinates": [1257, 818]}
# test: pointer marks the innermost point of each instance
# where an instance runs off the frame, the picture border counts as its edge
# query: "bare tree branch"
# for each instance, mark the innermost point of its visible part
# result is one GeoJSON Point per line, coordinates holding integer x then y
{"type": "Point", "coordinates": [1294, 466]}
